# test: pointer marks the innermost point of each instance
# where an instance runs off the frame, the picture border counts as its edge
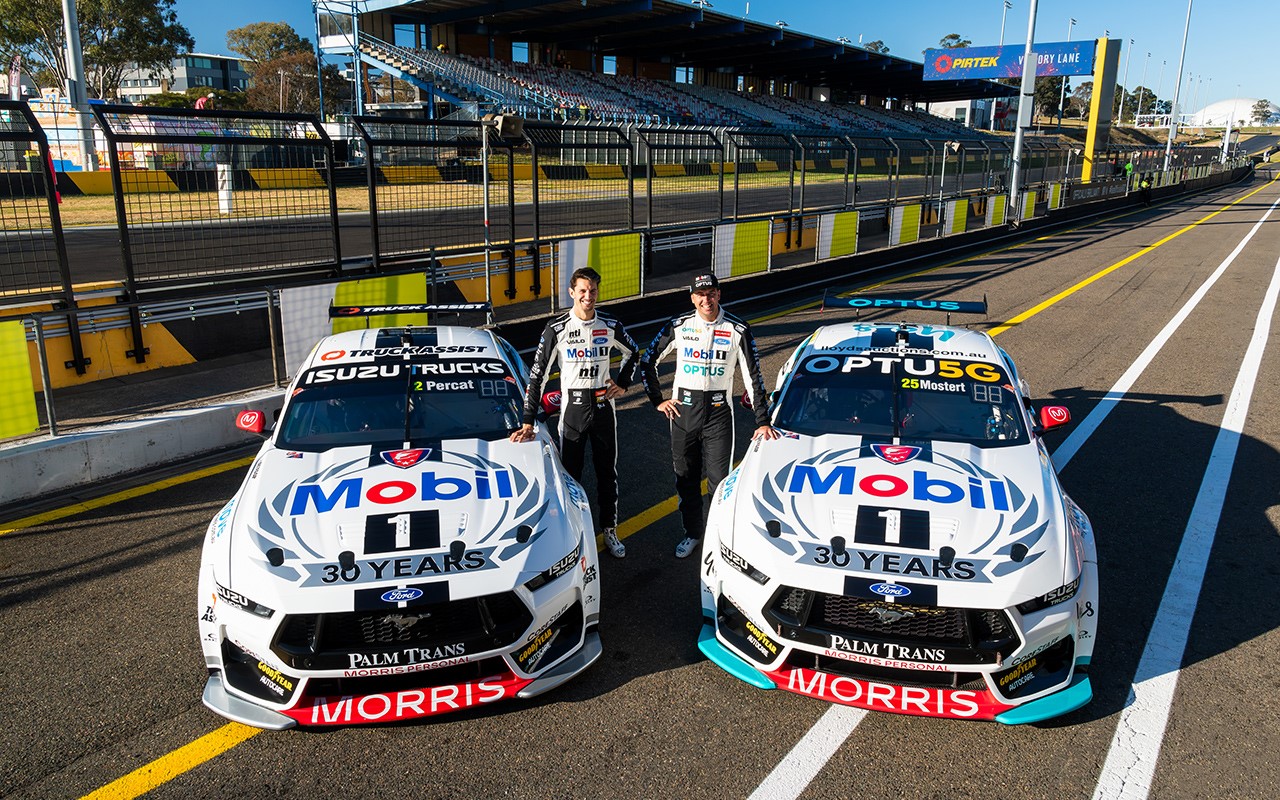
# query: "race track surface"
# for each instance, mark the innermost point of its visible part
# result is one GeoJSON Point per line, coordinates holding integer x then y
{"type": "Point", "coordinates": [101, 672]}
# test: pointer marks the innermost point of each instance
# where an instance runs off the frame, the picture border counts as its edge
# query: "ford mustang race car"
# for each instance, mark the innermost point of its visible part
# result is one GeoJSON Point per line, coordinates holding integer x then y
{"type": "Point", "coordinates": [390, 554]}
{"type": "Point", "coordinates": [905, 546]}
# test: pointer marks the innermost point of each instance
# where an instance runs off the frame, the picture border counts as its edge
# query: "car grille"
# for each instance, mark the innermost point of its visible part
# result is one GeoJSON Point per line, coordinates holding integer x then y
{"type": "Point", "coordinates": [323, 641]}
{"type": "Point", "coordinates": [819, 614]}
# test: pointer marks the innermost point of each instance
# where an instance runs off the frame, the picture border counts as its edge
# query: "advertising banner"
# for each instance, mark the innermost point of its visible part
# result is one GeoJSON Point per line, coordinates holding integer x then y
{"type": "Point", "coordinates": [968, 63]}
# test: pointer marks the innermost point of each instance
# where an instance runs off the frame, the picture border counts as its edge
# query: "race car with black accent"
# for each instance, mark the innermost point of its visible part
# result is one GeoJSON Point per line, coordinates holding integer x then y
{"type": "Point", "coordinates": [390, 554]}
{"type": "Point", "coordinates": [906, 545]}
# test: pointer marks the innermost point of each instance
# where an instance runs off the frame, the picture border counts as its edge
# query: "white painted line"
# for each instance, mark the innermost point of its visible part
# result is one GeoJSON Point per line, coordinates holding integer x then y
{"type": "Point", "coordinates": [1131, 761]}
{"type": "Point", "coordinates": [810, 754]}
{"type": "Point", "coordinates": [1085, 429]}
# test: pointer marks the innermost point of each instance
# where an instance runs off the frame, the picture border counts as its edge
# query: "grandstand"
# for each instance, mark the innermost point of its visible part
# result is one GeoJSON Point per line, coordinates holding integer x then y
{"type": "Point", "coordinates": [617, 62]}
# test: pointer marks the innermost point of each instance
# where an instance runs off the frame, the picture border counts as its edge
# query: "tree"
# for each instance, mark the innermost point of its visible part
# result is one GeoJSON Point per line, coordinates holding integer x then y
{"type": "Point", "coordinates": [222, 99]}
{"type": "Point", "coordinates": [1048, 93]}
{"type": "Point", "coordinates": [288, 83]}
{"type": "Point", "coordinates": [1083, 96]}
{"type": "Point", "coordinates": [876, 46]}
{"type": "Point", "coordinates": [953, 40]}
{"type": "Point", "coordinates": [261, 42]}
{"type": "Point", "coordinates": [1261, 112]}
{"type": "Point", "coordinates": [115, 36]}
{"type": "Point", "coordinates": [1141, 94]}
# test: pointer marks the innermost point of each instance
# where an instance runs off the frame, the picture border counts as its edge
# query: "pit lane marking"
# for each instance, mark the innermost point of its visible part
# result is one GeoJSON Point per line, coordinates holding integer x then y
{"type": "Point", "coordinates": [1135, 747]}
{"type": "Point", "coordinates": [787, 780]}
{"type": "Point", "coordinates": [171, 765]}
{"type": "Point", "coordinates": [106, 500]}
{"type": "Point", "coordinates": [1065, 293]}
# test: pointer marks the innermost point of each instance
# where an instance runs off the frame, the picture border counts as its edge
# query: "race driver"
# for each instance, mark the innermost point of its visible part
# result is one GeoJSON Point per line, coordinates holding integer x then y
{"type": "Point", "coordinates": [707, 342]}
{"type": "Point", "coordinates": [582, 340]}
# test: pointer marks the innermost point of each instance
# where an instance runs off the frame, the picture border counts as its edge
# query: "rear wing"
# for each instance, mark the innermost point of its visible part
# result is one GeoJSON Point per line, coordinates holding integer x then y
{"type": "Point", "coordinates": [872, 303]}
{"type": "Point", "coordinates": [336, 312]}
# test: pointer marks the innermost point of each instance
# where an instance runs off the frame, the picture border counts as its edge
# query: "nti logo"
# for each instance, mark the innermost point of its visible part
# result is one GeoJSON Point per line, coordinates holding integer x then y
{"type": "Point", "coordinates": [487, 485]}
{"type": "Point", "coordinates": [844, 479]}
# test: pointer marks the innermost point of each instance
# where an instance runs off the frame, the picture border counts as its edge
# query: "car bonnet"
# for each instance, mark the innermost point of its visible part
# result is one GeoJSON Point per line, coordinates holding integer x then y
{"type": "Point", "coordinates": [366, 519]}
{"type": "Point", "coordinates": [896, 507]}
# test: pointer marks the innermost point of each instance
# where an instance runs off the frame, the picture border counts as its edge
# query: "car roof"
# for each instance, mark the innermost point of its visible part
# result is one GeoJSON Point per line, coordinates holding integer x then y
{"type": "Point", "coordinates": [946, 341]}
{"type": "Point", "coordinates": [367, 344]}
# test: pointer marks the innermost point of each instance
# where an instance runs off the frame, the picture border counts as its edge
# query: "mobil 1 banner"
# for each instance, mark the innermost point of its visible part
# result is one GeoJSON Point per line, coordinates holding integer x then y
{"type": "Point", "coordinates": [1096, 190]}
{"type": "Point", "coordinates": [969, 63]}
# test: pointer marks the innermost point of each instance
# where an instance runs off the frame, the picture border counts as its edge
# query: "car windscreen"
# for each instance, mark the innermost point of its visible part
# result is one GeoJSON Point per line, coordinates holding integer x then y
{"type": "Point", "coordinates": [916, 397]}
{"type": "Point", "coordinates": [400, 401]}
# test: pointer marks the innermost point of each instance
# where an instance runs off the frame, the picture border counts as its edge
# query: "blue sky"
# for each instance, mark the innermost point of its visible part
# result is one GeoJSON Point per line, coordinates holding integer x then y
{"type": "Point", "coordinates": [1226, 50]}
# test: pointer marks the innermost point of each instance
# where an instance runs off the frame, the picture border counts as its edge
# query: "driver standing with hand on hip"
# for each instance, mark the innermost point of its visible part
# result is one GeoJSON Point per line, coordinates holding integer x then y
{"type": "Point", "coordinates": [582, 341]}
{"type": "Point", "coordinates": [707, 341]}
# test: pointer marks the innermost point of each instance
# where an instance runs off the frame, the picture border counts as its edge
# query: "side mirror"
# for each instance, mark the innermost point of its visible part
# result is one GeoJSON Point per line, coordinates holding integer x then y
{"type": "Point", "coordinates": [1054, 417]}
{"type": "Point", "coordinates": [251, 421]}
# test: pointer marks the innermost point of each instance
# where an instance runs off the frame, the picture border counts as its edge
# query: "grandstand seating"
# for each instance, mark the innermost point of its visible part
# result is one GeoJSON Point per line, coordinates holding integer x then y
{"type": "Point", "coordinates": [547, 92]}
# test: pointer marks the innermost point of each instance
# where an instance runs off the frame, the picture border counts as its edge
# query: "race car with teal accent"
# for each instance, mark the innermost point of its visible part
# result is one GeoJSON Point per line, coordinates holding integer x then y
{"type": "Point", "coordinates": [390, 553]}
{"type": "Point", "coordinates": [906, 545]}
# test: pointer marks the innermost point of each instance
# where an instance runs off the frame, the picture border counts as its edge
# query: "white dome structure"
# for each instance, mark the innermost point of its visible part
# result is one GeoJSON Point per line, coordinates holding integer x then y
{"type": "Point", "coordinates": [1236, 109]}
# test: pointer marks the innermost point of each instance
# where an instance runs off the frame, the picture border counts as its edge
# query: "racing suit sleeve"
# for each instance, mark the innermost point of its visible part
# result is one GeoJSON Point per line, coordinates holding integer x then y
{"type": "Point", "coordinates": [749, 362]}
{"type": "Point", "coordinates": [657, 349]}
{"type": "Point", "coordinates": [630, 357]}
{"type": "Point", "coordinates": [543, 358]}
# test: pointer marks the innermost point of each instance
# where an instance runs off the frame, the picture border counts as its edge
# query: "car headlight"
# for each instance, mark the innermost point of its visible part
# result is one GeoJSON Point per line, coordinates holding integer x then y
{"type": "Point", "coordinates": [740, 564]}
{"type": "Point", "coordinates": [557, 569]}
{"type": "Point", "coordinates": [241, 602]}
{"type": "Point", "coordinates": [1060, 595]}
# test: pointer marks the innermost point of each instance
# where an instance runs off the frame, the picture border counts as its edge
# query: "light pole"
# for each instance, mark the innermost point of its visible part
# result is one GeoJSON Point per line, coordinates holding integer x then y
{"type": "Point", "coordinates": [1062, 98]}
{"type": "Point", "coordinates": [1007, 6]}
{"type": "Point", "coordinates": [281, 91]}
{"type": "Point", "coordinates": [1124, 87]}
{"type": "Point", "coordinates": [1177, 87]}
{"type": "Point", "coordinates": [1026, 101]}
{"type": "Point", "coordinates": [1160, 82]}
{"type": "Point", "coordinates": [1142, 88]}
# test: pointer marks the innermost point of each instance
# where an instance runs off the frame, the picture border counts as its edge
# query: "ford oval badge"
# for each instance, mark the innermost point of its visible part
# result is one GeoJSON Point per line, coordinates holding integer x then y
{"type": "Point", "coordinates": [890, 590]}
{"type": "Point", "coordinates": [405, 595]}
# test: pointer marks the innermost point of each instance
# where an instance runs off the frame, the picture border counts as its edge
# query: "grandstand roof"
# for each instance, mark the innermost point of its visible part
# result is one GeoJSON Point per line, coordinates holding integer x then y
{"type": "Point", "coordinates": [690, 36]}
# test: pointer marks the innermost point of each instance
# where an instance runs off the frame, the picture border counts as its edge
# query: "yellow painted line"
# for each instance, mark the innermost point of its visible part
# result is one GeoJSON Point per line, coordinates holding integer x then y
{"type": "Point", "coordinates": [106, 500]}
{"type": "Point", "coordinates": [1031, 312]}
{"type": "Point", "coordinates": [171, 765]}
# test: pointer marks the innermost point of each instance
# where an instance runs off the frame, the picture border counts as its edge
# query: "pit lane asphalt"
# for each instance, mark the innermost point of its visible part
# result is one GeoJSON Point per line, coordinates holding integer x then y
{"type": "Point", "coordinates": [101, 673]}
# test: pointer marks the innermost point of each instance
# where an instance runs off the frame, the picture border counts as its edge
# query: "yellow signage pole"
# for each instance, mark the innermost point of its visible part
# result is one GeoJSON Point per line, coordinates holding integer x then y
{"type": "Point", "coordinates": [1106, 63]}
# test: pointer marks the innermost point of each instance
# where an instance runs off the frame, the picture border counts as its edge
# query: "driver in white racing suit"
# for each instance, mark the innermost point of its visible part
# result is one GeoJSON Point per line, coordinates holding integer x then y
{"type": "Point", "coordinates": [707, 341]}
{"type": "Point", "coordinates": [582, 340]}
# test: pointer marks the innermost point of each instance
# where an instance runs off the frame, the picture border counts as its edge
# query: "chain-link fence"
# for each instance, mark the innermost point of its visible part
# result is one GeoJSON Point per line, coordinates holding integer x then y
{"type": "Point", "coordinates": [33, 256]}
{"type": "Point", "coordinates": [427, 187]}
{"type": "Point", "coordinates": [219, 195]}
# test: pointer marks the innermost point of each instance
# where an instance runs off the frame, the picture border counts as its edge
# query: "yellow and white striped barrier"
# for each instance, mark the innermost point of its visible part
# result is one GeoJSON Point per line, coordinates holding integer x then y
{"type": "Point", "coordinates": [741, 248]}
{"type": "Point", "coordinates": [837, 234]}
{"type": "Point", "coordinates": [904, 225]}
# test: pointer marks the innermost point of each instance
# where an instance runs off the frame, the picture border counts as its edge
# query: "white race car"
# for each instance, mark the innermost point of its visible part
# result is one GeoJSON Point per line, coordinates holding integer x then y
{"type": "Point", "coordinates": [906, 545]}
{"type": "Point", "coordinates": [390, 554]}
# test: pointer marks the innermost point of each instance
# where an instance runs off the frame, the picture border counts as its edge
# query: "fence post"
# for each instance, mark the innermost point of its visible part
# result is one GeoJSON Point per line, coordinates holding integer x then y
{"type": "Point", "coordinates": [45, 382]}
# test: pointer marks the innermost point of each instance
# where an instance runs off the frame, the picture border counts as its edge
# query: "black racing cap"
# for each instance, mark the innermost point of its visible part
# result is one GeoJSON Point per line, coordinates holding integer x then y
{"type": "Point", "coordinates": [706, 281]}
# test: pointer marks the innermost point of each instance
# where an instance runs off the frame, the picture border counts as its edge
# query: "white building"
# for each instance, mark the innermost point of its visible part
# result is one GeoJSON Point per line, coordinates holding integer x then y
{"type": "Point", "coordinates": [1238, 109]}
{"type": "Point", "coordinates": [187, 71]}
